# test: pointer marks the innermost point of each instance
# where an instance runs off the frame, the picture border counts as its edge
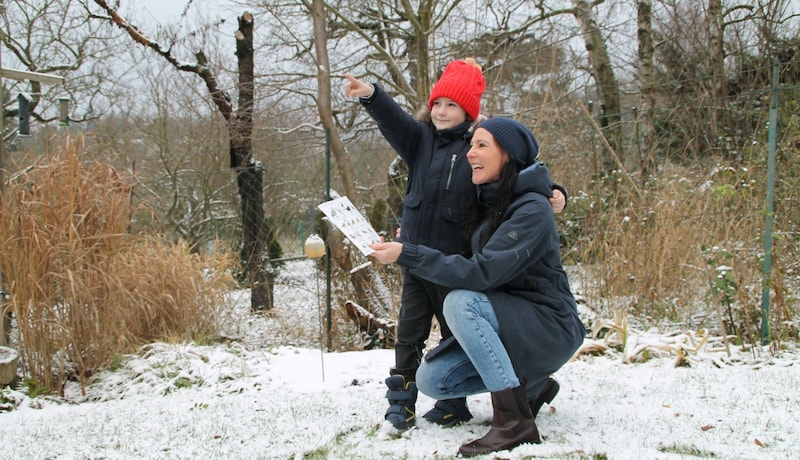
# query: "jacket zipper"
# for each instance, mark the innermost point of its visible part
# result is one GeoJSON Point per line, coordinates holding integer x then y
{"type": "Point", "coordinates": [452, 166]}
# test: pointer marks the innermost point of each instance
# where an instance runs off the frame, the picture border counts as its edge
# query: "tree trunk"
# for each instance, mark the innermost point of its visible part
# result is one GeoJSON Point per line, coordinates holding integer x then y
{"type": "Point", "coordinates": [717, 67]}
{"type": "Point", "coordinates": [249, 173]}
{"type": "Point", "coordinates": [647, 148]}
{"type": "Point", "coordinates": [343, 163]}
{"type": "Point", "coordinates": [419, 52]}
{"type": "Point", "coordinates": [5, 317]}
{"type": "Point", "coordinates": [603, 73]}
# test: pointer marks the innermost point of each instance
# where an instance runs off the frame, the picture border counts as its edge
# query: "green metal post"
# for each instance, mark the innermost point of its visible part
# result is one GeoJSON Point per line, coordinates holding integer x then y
{"type": "Point", "coordinates": [773, 130]}
{"type": "Point", "coordinates": [328, 257]}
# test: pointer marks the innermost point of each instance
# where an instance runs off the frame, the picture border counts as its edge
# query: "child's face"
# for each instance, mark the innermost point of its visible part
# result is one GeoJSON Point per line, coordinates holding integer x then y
{"type": "Point", "coordinates": [446, 114]}
{"type": "Point", "coordinates": [486, 158]}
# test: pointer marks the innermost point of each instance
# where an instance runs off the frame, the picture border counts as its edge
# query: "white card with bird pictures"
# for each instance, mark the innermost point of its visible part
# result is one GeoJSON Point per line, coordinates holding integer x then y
{"type": "Point", "coordinates": [349, 220]}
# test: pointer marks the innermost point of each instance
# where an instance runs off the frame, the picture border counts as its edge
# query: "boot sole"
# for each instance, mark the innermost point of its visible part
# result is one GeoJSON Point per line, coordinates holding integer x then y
{"type": "Point", "coordinates": [388, 431]}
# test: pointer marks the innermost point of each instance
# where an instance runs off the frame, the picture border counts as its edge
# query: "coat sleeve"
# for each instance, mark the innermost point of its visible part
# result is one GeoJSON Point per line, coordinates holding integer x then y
{"type": "Point", "coordinates": [517, 244]}
{"type": "Point", "coordinates": [396, 125]}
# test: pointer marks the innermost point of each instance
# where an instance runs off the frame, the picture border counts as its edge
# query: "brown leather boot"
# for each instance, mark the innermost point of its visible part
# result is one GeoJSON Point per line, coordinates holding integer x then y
{"type": "Point", "coordinates": [546, 395]}
{"type": "Point", "coordinates": [512, 424]}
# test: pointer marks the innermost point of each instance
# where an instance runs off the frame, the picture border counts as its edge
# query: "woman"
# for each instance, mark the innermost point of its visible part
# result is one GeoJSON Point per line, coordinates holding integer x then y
{"type": "Point", "coordinates": [512, 314]}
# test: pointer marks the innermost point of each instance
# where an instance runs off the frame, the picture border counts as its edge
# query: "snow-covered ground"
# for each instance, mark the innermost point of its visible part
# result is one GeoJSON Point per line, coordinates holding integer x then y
{"type": "Point", "coordinates": [251, 399]}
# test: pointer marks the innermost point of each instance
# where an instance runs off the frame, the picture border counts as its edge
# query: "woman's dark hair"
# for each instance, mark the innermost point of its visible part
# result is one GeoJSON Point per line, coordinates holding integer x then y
{"type": "Point", "coordinates": [493, 215]}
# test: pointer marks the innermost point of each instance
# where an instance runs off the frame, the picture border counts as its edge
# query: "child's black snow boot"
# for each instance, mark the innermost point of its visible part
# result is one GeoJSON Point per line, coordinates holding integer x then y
{"type": "Point", "coordinates": [449, 412]}
{"type": "Point", "coordinates": [402, 396]}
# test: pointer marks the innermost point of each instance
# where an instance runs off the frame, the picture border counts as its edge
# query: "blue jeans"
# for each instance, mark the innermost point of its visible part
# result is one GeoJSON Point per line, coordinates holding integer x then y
{"type": "Point", "coordinates": [479, 364]}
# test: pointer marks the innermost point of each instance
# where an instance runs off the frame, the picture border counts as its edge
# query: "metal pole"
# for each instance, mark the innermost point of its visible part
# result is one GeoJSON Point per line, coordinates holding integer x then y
{"type": "Point", "coordinates": [315, 248]}
{"type": "Point", "coordinates": [773, 130]}
{"type": "Point", "coordinates": [328, 258]}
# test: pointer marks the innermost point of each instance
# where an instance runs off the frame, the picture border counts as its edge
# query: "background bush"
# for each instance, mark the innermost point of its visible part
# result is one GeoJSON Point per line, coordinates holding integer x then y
{"type": "Point", "coordinates": [82, 288]}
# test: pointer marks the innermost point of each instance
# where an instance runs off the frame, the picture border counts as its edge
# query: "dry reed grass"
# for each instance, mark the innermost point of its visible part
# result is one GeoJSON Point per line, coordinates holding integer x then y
{"type": "Point", "coordinates": [84, 290]}
{"type": "Point", "coordinates": [654, 250]}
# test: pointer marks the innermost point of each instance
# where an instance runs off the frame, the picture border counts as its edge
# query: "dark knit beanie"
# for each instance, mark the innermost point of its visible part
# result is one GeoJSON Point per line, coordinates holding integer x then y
{"type": "Point", "coordinates": [513, 137]}
{"type": "Point", "coordinates": [463, 82]}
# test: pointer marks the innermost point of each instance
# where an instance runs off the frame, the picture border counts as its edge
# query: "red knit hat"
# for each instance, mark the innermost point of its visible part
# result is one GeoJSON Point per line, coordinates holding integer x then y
{"type": "Point", "coordinates": [463, 82]}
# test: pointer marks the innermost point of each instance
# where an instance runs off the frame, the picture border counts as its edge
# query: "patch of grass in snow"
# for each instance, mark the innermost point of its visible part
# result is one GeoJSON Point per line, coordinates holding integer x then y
{"type": "Point", "coordinates": [116, 363]}
{"type": "Point", "coordinates": [687, 450]}
{"type": "Point", "coordinates": [340, 447]}
{"type": "Point", "coordinates": [322, 453]}
{"type": "Point", "coordinates": [34, 388]}
{"type": "Point", "coordinates": [183, 382]}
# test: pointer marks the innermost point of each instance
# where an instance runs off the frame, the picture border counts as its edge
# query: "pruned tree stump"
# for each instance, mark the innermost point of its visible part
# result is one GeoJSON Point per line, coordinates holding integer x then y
{"type": "Point", "coordinates": [9, 358]}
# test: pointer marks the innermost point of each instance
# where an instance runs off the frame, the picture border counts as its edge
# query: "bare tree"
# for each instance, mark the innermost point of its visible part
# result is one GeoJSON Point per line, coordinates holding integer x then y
{"type": "Point", "coordinates": [717, 46]}
{"type": "Point", "coordinates": [603, 73]}
{"type": "Point", "coordinates": [703, 50]}
{"type": "Point", "coordinates": [503, 37]}
{"type": "Point", "coordinates": [324, 107]}
{"type": "Point", "coordinates": [399, 39]}
{"type": "Point", "coordinates": [249, 172]}
{"type": "Point", "coordinates": [186, 142]}
{"type": "Point", "coordinates": [317, 7]}
{"type": "Point", "coordinates": [56, 37]}
{"type": "Point", "coordinates": [393, 42]}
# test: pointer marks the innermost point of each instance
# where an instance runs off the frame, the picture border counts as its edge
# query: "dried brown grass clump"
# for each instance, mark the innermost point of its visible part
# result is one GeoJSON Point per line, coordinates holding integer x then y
{"type": "Point", "coordinates": [659, 251]}
{"type": "Point", "coordinates": [656, 251]}
{"type": "Point", "coordinates": [683, 243]}
{"type": "Point", "coordinates": [82, 288]}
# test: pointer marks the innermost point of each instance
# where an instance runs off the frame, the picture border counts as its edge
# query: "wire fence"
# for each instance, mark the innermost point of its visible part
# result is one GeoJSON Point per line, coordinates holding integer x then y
{"type": "Point", "coordinates": [298, 170]}
{"type": "Point", "coordinates": [196, 197]}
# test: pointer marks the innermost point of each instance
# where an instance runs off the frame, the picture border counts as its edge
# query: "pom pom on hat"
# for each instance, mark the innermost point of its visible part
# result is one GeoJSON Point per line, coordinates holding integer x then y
{"type": "Point", "coordinates": [463, 82]}
{"type": "Point", "coordinates": [515, 138]}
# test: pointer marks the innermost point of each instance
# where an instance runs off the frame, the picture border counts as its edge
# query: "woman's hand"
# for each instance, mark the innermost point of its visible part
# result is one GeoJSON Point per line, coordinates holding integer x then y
{"type": "Point", "coordinates": [386, 253]}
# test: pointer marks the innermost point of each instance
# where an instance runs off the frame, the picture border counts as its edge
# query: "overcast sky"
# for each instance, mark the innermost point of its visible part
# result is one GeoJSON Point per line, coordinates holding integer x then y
{"type": "Point", "coordinates": [169, 11]}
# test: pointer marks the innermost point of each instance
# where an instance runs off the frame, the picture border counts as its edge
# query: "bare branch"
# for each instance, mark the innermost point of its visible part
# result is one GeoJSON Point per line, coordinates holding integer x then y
{"type": "Point", "coordinates": [221, 99]}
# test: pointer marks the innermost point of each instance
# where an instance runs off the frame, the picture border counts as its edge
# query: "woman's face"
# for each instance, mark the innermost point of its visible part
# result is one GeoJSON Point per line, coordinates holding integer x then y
{"type": "Point", "coordinates": [486, 158]}
{"type": "Point", "coordinates": [446, 113]}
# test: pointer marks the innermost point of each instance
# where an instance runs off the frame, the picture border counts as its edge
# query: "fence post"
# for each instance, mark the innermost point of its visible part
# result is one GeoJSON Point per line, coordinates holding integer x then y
{"type": "Point", "coordinates": [773, 128]}
{"type": "Point", "coordinates": [328, 258]}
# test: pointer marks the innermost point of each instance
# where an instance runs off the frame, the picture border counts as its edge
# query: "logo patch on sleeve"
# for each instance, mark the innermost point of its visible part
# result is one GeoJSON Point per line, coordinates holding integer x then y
{"type": "Point", "coordinates": [513, 235]}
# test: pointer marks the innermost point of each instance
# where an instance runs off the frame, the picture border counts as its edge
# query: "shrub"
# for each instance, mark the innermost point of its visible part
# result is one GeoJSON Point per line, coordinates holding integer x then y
{"type": "Point", "coordinates": [82, 288]}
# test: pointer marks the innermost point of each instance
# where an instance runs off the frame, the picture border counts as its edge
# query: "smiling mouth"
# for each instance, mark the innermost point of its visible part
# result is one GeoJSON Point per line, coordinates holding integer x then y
{"type": "Point", "coordinates": [474, 167]}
